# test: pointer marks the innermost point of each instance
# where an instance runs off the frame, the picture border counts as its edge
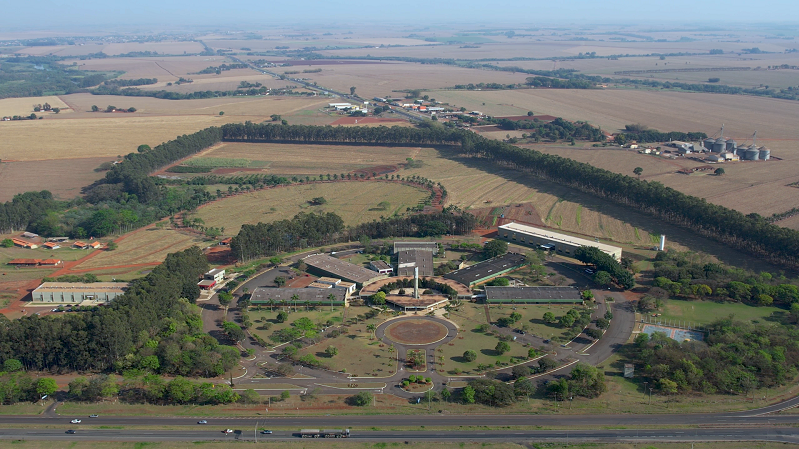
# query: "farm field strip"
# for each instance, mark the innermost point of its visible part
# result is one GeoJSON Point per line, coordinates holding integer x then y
{"type": "Point", "coordinates": [147, 245]}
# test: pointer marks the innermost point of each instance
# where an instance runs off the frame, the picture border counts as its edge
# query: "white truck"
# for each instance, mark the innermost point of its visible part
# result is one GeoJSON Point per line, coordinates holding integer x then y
{"type": "Point", "coordinates": [325, 433]}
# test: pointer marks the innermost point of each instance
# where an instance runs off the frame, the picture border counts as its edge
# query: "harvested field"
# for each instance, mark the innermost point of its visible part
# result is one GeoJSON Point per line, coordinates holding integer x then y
{"type": "Point", "coordinates": [366, 121]}
{"type": "Point", "coordinates": [759, 186]}
{"type": "Point", "coordinates": [87, 134]}
{"type": "Point", "coordinates": [313, 160]}
{"type": "Point", "coordinates": [384, 79]}
{"type": "Point", "coordinates": [24, 106]}
{"type": "Point", "coordinates": [164, 68]}
{"type": "Point", "coordinates": [148, 245]}
{"type": "Point", "coordinates": [355, 201]}
{"type": "Point", "coordinates": [172, 48]}
{"type": "Point", "coordinates": [72, 175]}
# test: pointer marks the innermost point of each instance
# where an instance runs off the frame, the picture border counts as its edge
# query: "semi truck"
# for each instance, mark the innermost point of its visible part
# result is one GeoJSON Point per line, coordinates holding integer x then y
{"type": "Point", "coordinates": [325, 433]}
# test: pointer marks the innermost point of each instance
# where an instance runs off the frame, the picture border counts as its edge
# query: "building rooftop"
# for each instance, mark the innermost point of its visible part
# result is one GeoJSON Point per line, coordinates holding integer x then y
{"type": "Point", "coordinates": [341, 268]}
{"type": "Point", "coordinates": [118, 287]}
{"type": "Point", "coordinates": [319, 285]}
{"type": "Point", "coordinates": [214, 271]}
{"type": "Point", "coordinates": [425, 246]}
{"type": "Point", "coordinates": [410, 302]}
{"type": "Point", "coordinates": [542, 293]}
{"type": "Point", "coordinates": [407, 259]}
{"type": "Point", "coordinates": [328, 280]}
{"type": "Point", "coordinates": [305, 294]}
{"type": "Point", "coordinates": [380, 265]}
{"type": "Point", "coordinates": [24, 261]}
{"type": "Point", "coordinates": [485, 269]}
{"type": "Point", "coordinates": [558, 238]}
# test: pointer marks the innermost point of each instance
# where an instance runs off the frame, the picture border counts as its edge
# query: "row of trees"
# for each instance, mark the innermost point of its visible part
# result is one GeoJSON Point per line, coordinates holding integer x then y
{"type": "Point", "coordinates": [138, 386]}
{"type": "Point", "coordinates": [605, 263]}
{"type": "Point", "coordinates": [172, 95]}
{"type": "Point", "coordinates": [153, 327]}
{"type": "Point", "coordinates": [555, 130]}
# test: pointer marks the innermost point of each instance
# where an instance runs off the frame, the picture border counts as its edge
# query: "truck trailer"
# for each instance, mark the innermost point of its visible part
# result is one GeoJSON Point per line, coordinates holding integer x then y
{"type": "Point", "coordinates": [325, 433]}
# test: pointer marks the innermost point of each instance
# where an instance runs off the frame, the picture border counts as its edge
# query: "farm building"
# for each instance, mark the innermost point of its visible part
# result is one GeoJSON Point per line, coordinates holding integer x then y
{"type": "Point", "coordinates": [225, 242]}
{"type": "Point", "coordinates": [409, 259]}
{"type": "Point", "coordinates": [83, 245]}
{"type": "Point", "coordinates": [285, 296]}
{"type": "Point", "coordinates": [421, 246]}
{"type": "Point", "coordinates": [487, 270]}
{"type": "Point", "coordinates": [549, 240]}
{"type": "Point", "coordinates": [539, 295]}
{"type": "Point", "coordinates": [325, 265]}
{"type": "Point", "coordinates": [30, 235]}
{"type": "Point", "coordinates": [24, 243]}
{"type": "Point", "coordinates": [58, 239]}
{"type": "Point", "coordinates": [76, 293]}
{"type": "Point", "coordinates": [51, 245]}
{"type": "Point", "coordinates": [381, 267]}
{"type": "Point", "coordinates": [25, 262]}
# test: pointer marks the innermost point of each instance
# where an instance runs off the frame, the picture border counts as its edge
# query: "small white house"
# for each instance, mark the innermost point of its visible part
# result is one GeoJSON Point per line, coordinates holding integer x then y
{"type": "Point", "coordinates": [217, 275]}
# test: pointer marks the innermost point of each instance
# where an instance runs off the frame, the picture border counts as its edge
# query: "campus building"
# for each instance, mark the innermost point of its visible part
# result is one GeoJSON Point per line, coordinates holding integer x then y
{"type": "Point", "coordinates": [76, 293]}
{"type": "Point", "coordinates": [485, 271]}
{"type": "Point", "coordinates": [410, 259]}
{"type": "Point", "coordinates": [421, 246]}
{"type": "Point", "coordinates": [533, 295]}
{"type": "Point", "coordinates": [324, 265]}
{"type": "Point", "coordinates": [552, 241]}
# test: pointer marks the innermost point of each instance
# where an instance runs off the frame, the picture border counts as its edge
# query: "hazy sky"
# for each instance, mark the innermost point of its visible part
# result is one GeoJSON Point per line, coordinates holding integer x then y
{"type": "Point", "coordinates": [107, 14]}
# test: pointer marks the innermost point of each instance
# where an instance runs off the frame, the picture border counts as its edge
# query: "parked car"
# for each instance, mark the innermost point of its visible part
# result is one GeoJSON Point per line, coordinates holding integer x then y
{"type": "Point", "coordinates": [589, 271]}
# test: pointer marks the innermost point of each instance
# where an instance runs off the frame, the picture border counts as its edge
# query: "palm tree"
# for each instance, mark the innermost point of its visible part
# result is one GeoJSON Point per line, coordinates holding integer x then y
{"type": "Point", "coordinates": [638, 171]}
{"type": "Point", "coordinates": [371, 328]}
{"type": "Point", "coordinates": [294, 298]}
{"type": "Point", "coordinates": [271, 305]}
{"type": "Point", "coordinates": [332, 298]}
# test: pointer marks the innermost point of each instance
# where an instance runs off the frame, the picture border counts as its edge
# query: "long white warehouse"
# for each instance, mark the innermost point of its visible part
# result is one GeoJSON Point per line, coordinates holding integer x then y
{"type": "Point", "coordinates": [560, 243]}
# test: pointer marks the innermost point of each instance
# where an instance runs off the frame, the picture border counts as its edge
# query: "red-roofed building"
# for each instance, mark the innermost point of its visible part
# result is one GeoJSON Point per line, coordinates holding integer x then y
{"type": "Point", "coordinates": [25, 262]}
{"type": "Point", "coordinates": [51, 245]}
{"type": "Point", "coordinates": [50, 262]}
{"type": "Point", "coordinates": [25, 243]}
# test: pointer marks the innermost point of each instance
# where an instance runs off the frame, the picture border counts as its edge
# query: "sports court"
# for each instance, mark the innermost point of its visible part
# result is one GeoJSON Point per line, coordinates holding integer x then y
{"type": "Point", "coordinates": [674, 333]}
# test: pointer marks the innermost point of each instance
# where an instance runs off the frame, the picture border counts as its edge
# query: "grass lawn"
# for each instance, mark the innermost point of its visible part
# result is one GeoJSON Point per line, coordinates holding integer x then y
{"type": "Point", "coordinates": [705, 312]}
{"type": "Point", "coordinates": [265, 317]}
{"type": "Point", "coordinates": [357, 354]}
{"type": "Point", "coordinates": [532, 317]}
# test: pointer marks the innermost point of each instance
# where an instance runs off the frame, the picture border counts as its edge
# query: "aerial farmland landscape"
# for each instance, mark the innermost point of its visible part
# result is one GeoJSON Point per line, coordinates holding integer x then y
{"type": "Point", "coordinates": [432, 225]}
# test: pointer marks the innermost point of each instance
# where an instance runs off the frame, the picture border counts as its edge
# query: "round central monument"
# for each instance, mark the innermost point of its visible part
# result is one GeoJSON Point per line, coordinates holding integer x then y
{"type": "Point", "coordinates": [416, 332]}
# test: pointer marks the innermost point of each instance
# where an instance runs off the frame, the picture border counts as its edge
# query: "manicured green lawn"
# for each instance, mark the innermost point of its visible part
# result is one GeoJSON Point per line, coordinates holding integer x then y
{"type": "Point", "coordinates": [532, 317]}
{"type": "Point", "coordinates": [265, 317]}
{"type": "Point", "coordinates": [705, 312]}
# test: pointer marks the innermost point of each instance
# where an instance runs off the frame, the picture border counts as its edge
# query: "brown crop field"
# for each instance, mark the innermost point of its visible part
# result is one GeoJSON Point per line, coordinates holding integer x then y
{"type": "Point", "coordinates": [384, 79]}
{"type": "Point", "coordinates": [355, 201]}
{"type": "Point", "coordinates": [63, 177]}
{"type": "Point", "coordinates": [313, 160]}
{"type": "Point", "coordinates": [86, 134]}
{"type": "Point", "coordinates": [145, 246]}
{"type": "Point", "coordinates": [24, 106]}
{"type": "Point", "coordinates": [162, 67]}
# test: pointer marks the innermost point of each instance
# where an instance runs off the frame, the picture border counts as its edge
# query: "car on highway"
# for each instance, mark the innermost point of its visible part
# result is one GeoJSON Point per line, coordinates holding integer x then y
{"type": "Point", "coordinates": [75, 421]}
{"type": "Point", "coordinates": [266, 432]}
{"type": "Point", "coordinates": [202, 421]}
{"type": "Point", "coordinates": [94, 416]}
{"type": "Point", "coordinates": [70, 431]}
{"type": "Point", "coordinates": [227, 431]}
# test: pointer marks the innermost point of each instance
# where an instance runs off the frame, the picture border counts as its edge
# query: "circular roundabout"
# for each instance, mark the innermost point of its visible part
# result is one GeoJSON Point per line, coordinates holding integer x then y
{"type": "Point", "coordinates": [417, 331]}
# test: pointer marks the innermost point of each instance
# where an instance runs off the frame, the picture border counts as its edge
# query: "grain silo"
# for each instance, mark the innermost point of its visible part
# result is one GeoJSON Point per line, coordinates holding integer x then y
{"type": "Point", "coordinates": [752, 153]}
{"type": "Point", "coordinates": [708, 143]}
{"type": "Point", "coordinates": [732, 146]}
{"type": "Point", "coordinates": [764, 154]}
{"type": "Point", "coordinates": [720, 145]}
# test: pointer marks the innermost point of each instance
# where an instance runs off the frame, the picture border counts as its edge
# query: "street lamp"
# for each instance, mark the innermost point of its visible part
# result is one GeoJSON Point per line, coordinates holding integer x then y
{"type": "Point", "coordinates": [570, 402]}
{"type": "Point", "coordinates": [650, 395]}
{"type": "Point", "coordinates": [645, 384]}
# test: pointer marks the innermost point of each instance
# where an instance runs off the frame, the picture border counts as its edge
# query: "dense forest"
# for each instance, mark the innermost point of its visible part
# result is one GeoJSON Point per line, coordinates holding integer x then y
{"type": "Point", "coordinates": [171, 95]}
{"type": "Point", "coordinates": [735, 358]}
{"type": "Point", "coordinates": [35, 76]}
{"type": "Point", "coordinates": [154, 327]}
{"type": "Point", "coordinates": [555, 130]}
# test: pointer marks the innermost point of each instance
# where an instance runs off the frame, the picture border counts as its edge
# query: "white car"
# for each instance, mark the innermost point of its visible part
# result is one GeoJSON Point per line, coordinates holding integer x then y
{"type": "Point", "coordinates": [202, 421]}
{"type": "Point", "coordinates": [227, 431]}
{"type": "Point", "coordinates": [75, 421]}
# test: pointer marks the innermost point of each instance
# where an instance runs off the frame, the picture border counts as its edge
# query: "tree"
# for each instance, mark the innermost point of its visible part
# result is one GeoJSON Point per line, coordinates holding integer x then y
{"type": "Point", "coordinates": [520, 371]}
{"type": "Point", "coordinates": [602, 323]}
{"type": "Point", "coordinates": [7, 243]}
{"type": "Point", "coordinates": [549, 317]}
{"type": "Point", "coordinates": [603, 278]}
{"type": "Point", "coordinates": [638, 171]}
{"type": "Point", "coordinates": [467, 395]}
{"type": "Point", "coordinates": [470, 355]}
{"type": "Point", "coordinates": [280, 281]}
{"type": "Point", "coordinates": [502, 347]}
{"type": "Point", "coordinates": [225, 298]}
{"type": "Point", "coordinates": [446, 394]}
{"type": "Point", "coordinates": [221, 113]}
{"type": "Point", "coordinates": [523, 387]}
{"type": "Point", "coordinates": [379, 298]}
{"type": "Point", "coordinates": [95, 108]}
{"type": "Point", "coordinates": [352, 90]}
{"type": "Point", "coordinates": [331, 351]}
{"type": "Point", "coordinates": [12, 365]}
{"type": "Point", "coordinates": [719, 171]}
{"type": "Point", "coordinates": [546, 364]}
{"type": "Point", "coordinates": [285, 395]}
{"type": "Point", "coordinates": [282, 316]}
{"type": "Point", "coordinates": [495, 248]}
{"type": "Point", "coordinates": [46, 386]}
{"type": "Point", "coordinates": [567, 321]}
{"type": "Point", "coordinates": [250, 396]}
{"type": "Point", "coordinates": [275, 117]}
{"type": "Point", "coordinates": [143, 148]}
{"type": "Point", "coordinates": [594, 333]}
{"type": "Point", "coordinates": [131, 109]}
{"type": "Point", "coordinates": [362, 399]}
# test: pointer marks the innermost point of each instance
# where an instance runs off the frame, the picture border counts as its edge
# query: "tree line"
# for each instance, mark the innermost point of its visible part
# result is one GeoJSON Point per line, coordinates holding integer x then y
{"type": "Point", "coordinates": [153, 327]}
{"type": "Point", "coordinates": [170, 95]}
{"type": "Point", "coordinates": [134, 82]}
{"type": "Point", "coordinates": [555, 130]}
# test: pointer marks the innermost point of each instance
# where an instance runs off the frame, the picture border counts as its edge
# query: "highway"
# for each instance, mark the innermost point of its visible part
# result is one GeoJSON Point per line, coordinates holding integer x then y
{"type": "Point", "coordinates": [770, 433]}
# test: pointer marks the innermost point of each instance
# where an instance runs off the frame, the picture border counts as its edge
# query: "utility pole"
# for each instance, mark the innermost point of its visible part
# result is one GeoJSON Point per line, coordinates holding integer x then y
{"type": "Point", "coordinates": [255, 432]}
{"type": "Point", "coordinates": [650, 395]}
{"type": "Point", "coordinates": [645, 384]}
